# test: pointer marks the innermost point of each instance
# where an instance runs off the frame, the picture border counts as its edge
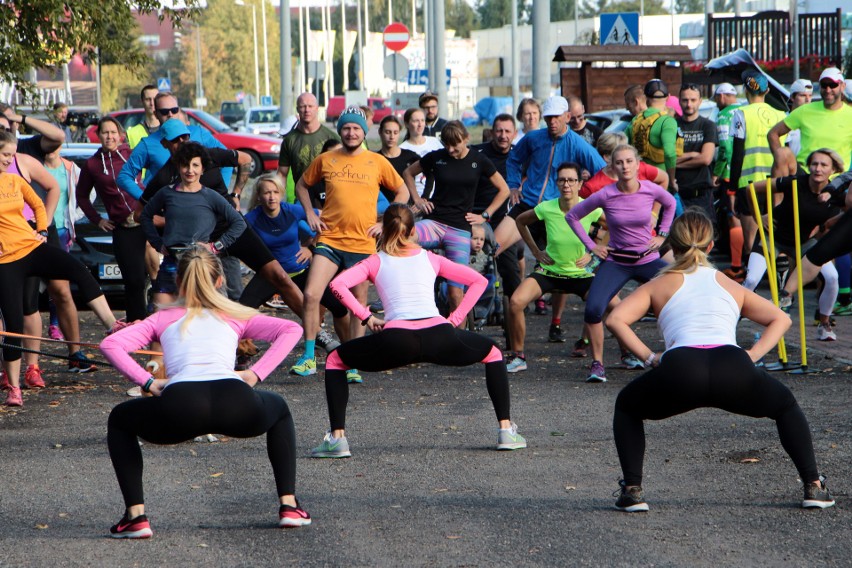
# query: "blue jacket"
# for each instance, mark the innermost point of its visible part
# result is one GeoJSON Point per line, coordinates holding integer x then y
{"type": "Point", "coordinates": [150, 155]}
{"type": "Point", "coordinates": [541, 155]}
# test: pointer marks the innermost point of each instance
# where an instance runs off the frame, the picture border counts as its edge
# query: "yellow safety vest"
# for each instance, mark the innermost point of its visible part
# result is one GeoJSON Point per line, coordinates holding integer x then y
{"type": "Point", "coordinates": [757, 162]}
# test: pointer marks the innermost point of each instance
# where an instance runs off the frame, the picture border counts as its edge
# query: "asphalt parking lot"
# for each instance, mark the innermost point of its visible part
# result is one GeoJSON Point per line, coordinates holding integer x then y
{"type": "Point", "coordinates": [425, 487]}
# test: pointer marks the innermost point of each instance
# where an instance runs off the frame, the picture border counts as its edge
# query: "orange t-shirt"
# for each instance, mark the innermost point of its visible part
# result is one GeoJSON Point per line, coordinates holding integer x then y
{"type": "Point", "coordinates": [17, 238]}
{"type": "Point", "coordinates": [351, 193]}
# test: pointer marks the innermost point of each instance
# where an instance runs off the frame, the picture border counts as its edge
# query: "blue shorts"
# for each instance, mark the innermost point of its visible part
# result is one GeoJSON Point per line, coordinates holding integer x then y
{"type": "Point", "coordinates": [166, 281]}
{"type": "Point", "coordinates": [339, 257]}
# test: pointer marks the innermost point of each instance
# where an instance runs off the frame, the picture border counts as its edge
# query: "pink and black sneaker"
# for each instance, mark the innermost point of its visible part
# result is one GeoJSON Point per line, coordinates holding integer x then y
{"type": "Point", "coordinates": [133, 528]}
{"type": "Point", "coordinates": [291, 517]}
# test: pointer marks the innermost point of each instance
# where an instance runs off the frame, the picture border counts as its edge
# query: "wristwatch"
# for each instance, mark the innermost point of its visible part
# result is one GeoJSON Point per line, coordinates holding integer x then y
{"type": "Point", "coordinates": [43, 233]}
{"type": "Point", "coordinates": [218, 246]}
{"type": "Point", "coordinates": [662, 234]}
{"type": "Point", "coordinates": [235, 195]}
{"type": "Point", "coordinates": [485, 215]}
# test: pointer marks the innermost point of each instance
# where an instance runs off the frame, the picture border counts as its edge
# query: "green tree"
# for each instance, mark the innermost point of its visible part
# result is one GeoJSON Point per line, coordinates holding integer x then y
{"type": "Point", "coordinates": [460, 16]}
{"type": "Point", "coordinates": [45, 33]}
{"type": "Point", "coordinates": [562, 11]}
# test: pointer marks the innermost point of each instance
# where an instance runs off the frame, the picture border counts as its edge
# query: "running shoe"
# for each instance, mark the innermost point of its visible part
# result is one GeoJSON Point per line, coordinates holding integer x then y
{"type": "Point", "coordinates": [54, 332]}
{"type": "Point", "coordinates": [735, 274]}
{"type": "Point", "coordinates": [817, 495]}
{"type": "Point", "coordinates": [4, 380]}
{"type": "Point", "coordinates": [132, 528]}
{"type": "Point", "coordinates": [292, 517]}
{"type": "Point", "coordinates": [79, 363]}
{"type": "Point", "coordinates": [630, 361]}
{"type": "Point", "coordinates": [327, 341]}
{"type": "Point", "coordinates": [353, 376]}
{"type": "Point", "coordinates": [377, 307]}
{"type": "Point", "coordinates": [555, 334]}
{"type": "Point", "coordinates": [509, 439]}
{"type": "Point", "coordinates": [13, 397]}
{"type": "Point", "coordinates": [540, 307]}
{"type": "Point", "coordinates": [785, 301]}
{"type": "Point", "coordinates": [332, 447]}
{"type": "Point", "coordinates": [842, 309]}
{"type": "Point", "coordinates": [516, 365]}
{"type": "Point", "coordinates": [824, 333]}
{"type": "Point", "coordinates": [630, 499]}
{"type": "Point", "coordinates": [275, 302]}
{"type": "Point", "coordinates": [33, 378]}
{"type": "Point", "coordinates": [134, 392]}
{"type": "Point", "coordinates": [304, 367]}
{"type": "Point", "coordinates": [581, 347]}
{"type": "Point", "coordinates": [597, 373]}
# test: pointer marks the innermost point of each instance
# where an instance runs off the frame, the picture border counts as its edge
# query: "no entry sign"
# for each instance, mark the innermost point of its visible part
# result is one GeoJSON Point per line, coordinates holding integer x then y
{"type": "Point", "coordinates": [396, 36]}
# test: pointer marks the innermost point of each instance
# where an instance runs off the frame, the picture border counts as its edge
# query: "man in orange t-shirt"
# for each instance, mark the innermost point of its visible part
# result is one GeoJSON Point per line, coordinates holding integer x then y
{"type": "Point", "coordinates": [347, 228]}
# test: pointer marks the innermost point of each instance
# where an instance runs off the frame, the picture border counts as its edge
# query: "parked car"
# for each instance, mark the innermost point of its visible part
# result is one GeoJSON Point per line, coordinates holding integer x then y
{"type": "Point", "coordinates": [262, 149]}
{"type": "Point", "coordinates": [381, 108]}
{"type": "Point", "coordinates": [261, 120]}
{"type": "Point", "coordinates": [231, 111]}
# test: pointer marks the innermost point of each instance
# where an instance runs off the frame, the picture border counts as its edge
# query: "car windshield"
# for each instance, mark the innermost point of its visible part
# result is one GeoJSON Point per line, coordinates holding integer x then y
{"type": "Point", "coordinates": [211, 121]}
{"type": "Point", "coordinates": [265, 116]}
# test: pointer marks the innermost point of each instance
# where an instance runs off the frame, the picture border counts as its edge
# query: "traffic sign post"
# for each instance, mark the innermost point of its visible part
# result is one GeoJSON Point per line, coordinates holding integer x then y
{"type": "Point", "coordinates": [396, 67]}
{"type": "Point", "coordinates": [163, 84]}
{"type": "Point", "coordinates": [620, 29]}
{"type": "Point", "coordinates": [396, 36]}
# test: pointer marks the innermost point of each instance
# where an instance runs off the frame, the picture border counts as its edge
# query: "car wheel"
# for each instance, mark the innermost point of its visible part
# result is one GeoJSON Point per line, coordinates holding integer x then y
{"type": "Point", "coordinates": [256, 163]}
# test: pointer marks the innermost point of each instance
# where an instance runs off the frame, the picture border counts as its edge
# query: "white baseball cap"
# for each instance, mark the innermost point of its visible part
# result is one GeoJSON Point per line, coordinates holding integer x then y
{"type": "Point", "coordinates": [801, 86]}
{"type": "Point", "coordinates": [725, 89]}
{"type": "Point", "coordinates": [832, 73]}
{"type": "Point", "coordinates": [554, 106]}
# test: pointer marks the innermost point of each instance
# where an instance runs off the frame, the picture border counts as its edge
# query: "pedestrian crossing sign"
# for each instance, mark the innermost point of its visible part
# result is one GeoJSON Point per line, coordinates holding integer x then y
{"type": "Point", "coordinates": [620, 29]}
{"type": "Point", "coordinates": [163, 84]}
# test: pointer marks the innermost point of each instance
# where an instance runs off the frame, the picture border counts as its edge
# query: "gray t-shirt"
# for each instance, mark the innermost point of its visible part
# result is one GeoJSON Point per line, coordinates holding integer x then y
{"type": "Point", "coordinates": [298, 149]}
{"type": "Point", "coordinates": [190, 218]}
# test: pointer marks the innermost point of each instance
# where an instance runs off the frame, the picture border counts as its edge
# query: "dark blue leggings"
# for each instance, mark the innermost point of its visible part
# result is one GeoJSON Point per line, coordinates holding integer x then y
{"type": "Point", "coordinates": [722, 377]}
{"type": "Point", "coordinates": [187, 410]}
{"type": "Point", "coordinates": [610, 278]}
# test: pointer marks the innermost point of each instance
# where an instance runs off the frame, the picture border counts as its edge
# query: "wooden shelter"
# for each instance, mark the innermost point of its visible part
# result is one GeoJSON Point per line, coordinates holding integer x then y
{"type": "Point", "coordinates": [601, 87]}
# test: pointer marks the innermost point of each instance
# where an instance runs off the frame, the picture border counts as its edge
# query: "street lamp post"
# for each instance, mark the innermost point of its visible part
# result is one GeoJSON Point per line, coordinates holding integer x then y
{"type": "Point", "coordinates": [256, 61]}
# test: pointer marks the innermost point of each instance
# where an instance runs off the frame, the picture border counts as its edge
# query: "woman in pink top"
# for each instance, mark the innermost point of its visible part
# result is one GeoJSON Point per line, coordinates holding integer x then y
{"type": "Point", "coordinates": [413, 331]}
{"type": "Point", "coordinates": [202, 393]}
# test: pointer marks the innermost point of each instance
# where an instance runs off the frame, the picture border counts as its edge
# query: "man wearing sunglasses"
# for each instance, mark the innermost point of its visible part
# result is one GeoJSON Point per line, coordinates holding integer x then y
{"type": "Point", "coordinates": [578, 123]}
{"type": "Point", "coordinates": [150, 155]}
{"type": "Point", "coordinates": [823, 124]}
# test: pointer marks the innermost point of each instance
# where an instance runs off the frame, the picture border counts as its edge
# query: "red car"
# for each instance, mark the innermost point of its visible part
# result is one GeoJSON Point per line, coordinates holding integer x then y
{"type": "Point", "coordinates": [381, 108]}
{"type": "Point", "coordinates": [263, 150]}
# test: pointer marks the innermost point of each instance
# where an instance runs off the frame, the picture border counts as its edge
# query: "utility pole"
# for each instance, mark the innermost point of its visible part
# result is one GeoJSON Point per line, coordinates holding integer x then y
{"type": "Point", "coordinates": [541, 55]}
{"type": "Point", "coordinates": [438, 27]}
{"type": "Point", "coordinates": [516, 58]}
{"type": "Point", "coordinates": [286, 65]}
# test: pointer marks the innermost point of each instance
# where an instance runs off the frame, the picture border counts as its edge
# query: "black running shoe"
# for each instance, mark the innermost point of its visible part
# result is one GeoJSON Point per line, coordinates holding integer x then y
{"type": "Point", "coordinates": [817, 495]}
{"type": "Point", "coordinates": [630, 499]}
{"type": "Point", "coordinates": [555, 335]}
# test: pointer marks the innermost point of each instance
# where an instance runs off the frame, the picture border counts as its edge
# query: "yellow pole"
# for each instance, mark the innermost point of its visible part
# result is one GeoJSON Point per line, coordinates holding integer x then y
{"type": "Point", "coordinates": [797, 237]}
{"type": "Point", "coordinates": [771, 260]}
{"type": "Point", "coordinates": [770, 266]}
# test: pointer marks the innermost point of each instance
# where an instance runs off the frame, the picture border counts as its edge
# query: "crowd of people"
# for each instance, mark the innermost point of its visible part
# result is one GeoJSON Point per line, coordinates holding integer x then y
{"type": "Point", "coordinates": [431, 221]}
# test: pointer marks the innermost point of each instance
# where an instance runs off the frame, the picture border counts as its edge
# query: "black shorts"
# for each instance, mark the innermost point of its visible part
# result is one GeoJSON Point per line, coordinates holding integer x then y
{"type": "Point", "coordinates": [549, 282]}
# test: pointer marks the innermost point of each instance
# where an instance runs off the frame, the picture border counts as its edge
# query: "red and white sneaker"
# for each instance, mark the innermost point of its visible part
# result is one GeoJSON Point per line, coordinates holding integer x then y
{"type": "Point", "coordinates": [14, 398]}
{"type": "Point", "coordinates": [133, 528]}
{"type": "Point", "coordinates": [33, 378]}
{"type": "Point", "coordinates": [291, 517]}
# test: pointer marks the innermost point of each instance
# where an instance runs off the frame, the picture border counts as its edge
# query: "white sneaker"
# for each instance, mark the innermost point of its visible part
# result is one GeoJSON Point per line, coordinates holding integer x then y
{"type": "Point", "coordinates": [824, 333]}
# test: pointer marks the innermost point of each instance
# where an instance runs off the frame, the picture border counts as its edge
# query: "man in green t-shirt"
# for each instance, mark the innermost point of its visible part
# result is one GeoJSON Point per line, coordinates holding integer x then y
{"type": "Point", "coordinates": [305, 141]}
{"type": "Point", "coordinates": [726, 100]}
{"type": "Point", "coordinates": [656, 138]}
{"type": "Point", "coordinates": [823, 124]}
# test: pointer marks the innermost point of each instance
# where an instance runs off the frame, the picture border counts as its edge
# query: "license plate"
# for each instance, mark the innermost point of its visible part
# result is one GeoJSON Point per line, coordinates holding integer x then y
{"type": "Point", "coordinates": [109, 272]}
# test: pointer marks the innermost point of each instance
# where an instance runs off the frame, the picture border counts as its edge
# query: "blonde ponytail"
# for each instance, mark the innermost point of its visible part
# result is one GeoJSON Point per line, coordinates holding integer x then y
{"type": "Point", "coordinates": [690, 238]}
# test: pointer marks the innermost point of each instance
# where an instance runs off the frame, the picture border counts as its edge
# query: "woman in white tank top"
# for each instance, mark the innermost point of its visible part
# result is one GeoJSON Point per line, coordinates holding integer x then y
{"type": "Point", "coordinates": [697, 309]}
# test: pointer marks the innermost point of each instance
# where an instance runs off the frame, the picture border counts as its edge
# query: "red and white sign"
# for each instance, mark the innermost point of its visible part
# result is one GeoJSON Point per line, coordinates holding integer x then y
{"type": "Point", "coordinates": [396, 36]}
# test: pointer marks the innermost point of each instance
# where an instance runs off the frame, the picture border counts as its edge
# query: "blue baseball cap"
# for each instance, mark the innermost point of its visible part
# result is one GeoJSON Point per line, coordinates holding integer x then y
{"type": "Point", "coordinates": [174, 128]}
{"type": "Point", "coordinates": [755, 82]}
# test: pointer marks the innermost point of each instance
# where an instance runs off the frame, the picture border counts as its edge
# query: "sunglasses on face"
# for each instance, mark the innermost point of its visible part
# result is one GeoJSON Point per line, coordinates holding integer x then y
{"type": "Point", "coordinates": [828, 85]}
{"type": "Point", "coordinates": [168, 111]}
{"type": "Point", "coordinates": [4, 129]}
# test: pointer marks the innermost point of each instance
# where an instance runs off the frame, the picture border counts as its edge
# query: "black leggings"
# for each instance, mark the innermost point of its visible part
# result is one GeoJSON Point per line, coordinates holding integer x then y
{"type": "Point", "coordinates": [129, 248]}
{"type": "Point", "coordinates": [45, 261]}
{"type": "Point", "coordinates": [722, 377]}
{"type": "Point", "coordinates": [187, 410]}
{"type": "Point", "coordinates": [391, 348]}
{"type": "Point", "coordinates": [836, 242]}
{"type": "Point", "coordinates": [258, 290]}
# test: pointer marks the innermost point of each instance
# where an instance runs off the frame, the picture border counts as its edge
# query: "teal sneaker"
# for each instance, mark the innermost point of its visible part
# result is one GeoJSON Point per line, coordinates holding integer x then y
{"type": "Point", "coordinates": [332, 447]}
{"type": "Point", "coordinates": [353, 376]}
{"type": "Point", "coordinates": [842, 309]}
{"type": "Point", "coordinates": [304, 367]}
{"type": "Point", "coordinates": [509, 439]}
